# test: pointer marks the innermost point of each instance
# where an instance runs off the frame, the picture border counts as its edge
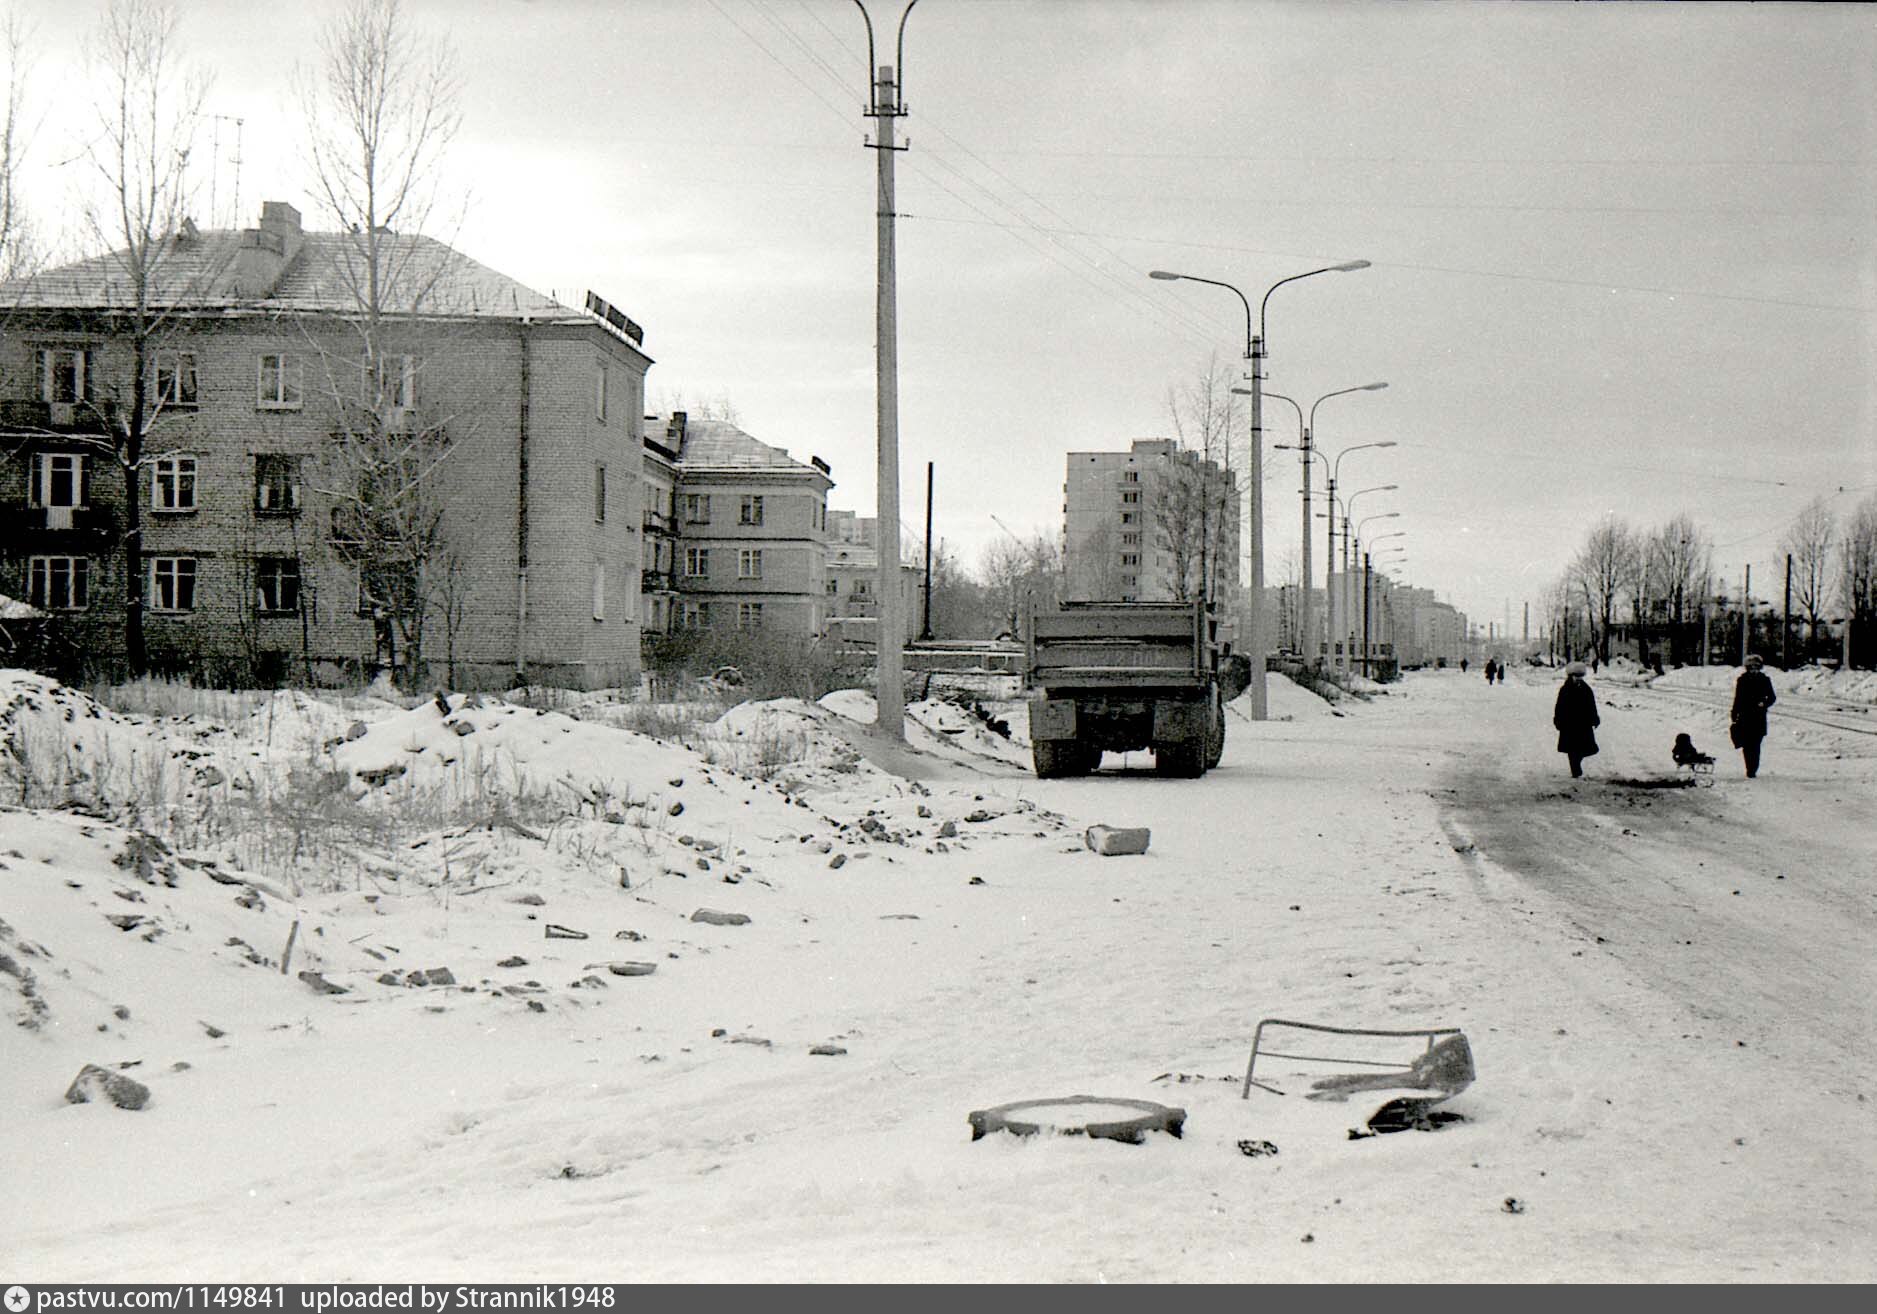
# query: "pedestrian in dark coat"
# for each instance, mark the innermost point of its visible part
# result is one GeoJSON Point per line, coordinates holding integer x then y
{"type": "Point", "coordinates": [1491, 670]}
{"type": "Point", "coordinates": [1753, 694]}
{"type": "Point", "coordinates": [1575, 718]}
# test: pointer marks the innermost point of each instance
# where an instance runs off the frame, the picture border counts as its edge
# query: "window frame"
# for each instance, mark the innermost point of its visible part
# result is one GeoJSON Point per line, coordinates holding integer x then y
{"type": "Point", "coordinates": [185, 470]}
{"type": "Point", "coordinates": [599, 492]}
{"type": "Point", "coordinates": [289, 377]}
{"type": "Point", "coordinates": [749, 563]}
{"type": "Point", "coordinates": [599, 590]}
{"type": "Point", "coordinates": [178, 578]}
{"type": "Point", "coordinates": [401, 395]}
{"type": "Point", "coordinates": [40, 484]}
{"type": "Point", "coordinates": [39, 578]}
{"type": "Point", "coordinates": [289, 465]}
{"type": "Point", "coordinates": [267, 571]}
{"type": "Point", "coordinates": [749, 615]}
{"type": "Point", "coordinates": [599, 392]}
{"type": "Point", "coordinates": [697, 563]}
{"type": "Point", "coordinates": [750, 510]}
{"type": "Point", "coordinates": [174, 368]}
{"type": "Point", "coordinates": [697, 508]}
{"type": "Point", "coordinates": [81, 376]}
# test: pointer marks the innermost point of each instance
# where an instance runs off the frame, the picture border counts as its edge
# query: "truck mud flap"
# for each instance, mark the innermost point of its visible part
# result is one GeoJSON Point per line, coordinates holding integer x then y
{"type": "Point", "coordinates": [1052, 718]}
{"type": "Point", "coordinates": [1178, 721]}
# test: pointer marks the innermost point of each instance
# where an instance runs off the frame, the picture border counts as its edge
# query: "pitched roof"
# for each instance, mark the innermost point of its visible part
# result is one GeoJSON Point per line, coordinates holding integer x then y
{"type": "Point", "coordinates": [720, 445]}
{"type": "Point", "coordinates": [196, 272]}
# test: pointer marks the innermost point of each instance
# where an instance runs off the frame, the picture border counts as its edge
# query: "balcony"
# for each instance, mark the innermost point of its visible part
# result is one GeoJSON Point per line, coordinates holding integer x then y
{"type": "Point", "coordinates": [56, 526]}
{"type": "Point", "coordinates": [656, 522]}
{"type": "Point", "coordinates": [657, 581]}
{"type": "Point", "coordinates": [57, 417]}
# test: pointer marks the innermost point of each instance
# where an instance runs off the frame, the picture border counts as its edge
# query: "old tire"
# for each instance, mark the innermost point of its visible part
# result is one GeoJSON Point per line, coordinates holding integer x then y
{"type": "Point", "coordinates": [1215, 737]}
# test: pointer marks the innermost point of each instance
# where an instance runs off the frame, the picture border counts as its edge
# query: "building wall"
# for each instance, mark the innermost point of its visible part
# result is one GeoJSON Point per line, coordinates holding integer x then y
{"type": "Point", "coordinates": [791, 538]}
{"type": "Point", "coordinates": [469, 381]}
{"type": "Point", "coordinates": [1115, 543]}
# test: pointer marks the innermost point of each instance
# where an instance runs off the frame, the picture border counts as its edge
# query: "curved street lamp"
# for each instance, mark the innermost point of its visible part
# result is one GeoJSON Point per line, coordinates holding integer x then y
{"type": "Point", "coordinates": [1254, 352]}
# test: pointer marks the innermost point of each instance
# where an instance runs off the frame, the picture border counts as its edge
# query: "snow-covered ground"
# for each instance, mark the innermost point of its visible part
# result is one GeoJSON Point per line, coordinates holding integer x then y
{"type": "Point", "coordinates": [1666, 991]}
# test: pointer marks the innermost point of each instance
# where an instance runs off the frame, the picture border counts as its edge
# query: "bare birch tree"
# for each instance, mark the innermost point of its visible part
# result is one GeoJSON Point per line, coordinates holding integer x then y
{"type": "Point", "coordinates": [1192, 493]}
{"type": "Point", "coordinates": [148, 109]}
{"type": "Point", "coordinates": [381, 108]}
{"type": "Point", "coordinates": [1809, 541]}
{"type": "Point", "coordinates": [1857, 577]}
{"type": "Point", "coordinates": [19, 250]}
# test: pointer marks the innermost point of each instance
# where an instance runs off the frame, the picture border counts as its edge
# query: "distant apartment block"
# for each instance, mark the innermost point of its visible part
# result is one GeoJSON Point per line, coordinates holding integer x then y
{"type": "Point", "coordinates": [1141, 525]}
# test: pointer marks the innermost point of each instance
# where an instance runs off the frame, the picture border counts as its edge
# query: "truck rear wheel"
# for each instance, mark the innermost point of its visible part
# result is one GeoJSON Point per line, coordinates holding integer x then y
{"type": "Point", "coordinates": [1055, 758]}
{"type": "Point", "coordinates": [1185, 759]}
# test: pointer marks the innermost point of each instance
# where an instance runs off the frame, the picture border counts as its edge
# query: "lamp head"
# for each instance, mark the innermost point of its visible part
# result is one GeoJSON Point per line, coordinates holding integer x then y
{"type": "Point", "coordinates": [1349, 267]}
{"type": "Point", "coordinates": [1242, 392]}
{"type": "Point", "coordinates": [1373, 387]}
{"type": "Point", "coordinates": [1163, 274]}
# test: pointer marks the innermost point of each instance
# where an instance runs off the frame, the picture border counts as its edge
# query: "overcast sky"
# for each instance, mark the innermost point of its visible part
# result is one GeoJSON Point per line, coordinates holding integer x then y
{"type": "Point", "coordinates": [1622, 254]}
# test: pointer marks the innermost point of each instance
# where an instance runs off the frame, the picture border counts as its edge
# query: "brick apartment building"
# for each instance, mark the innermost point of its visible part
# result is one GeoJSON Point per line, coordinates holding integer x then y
{"type": "Point", "coordinates": [744, 526]}
{"type": "Point", "coordinates": [1132, 524]}
{"type": "Point", "coordinates": [526, 414]}
{"type": "Point", "coordinates": [854, 578]}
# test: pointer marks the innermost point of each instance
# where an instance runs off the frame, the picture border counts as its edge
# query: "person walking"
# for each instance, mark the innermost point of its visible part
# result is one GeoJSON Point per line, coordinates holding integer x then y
{"type": "Point", "coordinates": [1491, 670]}
{"type": "Point", "coordinates": [1753, 694]}
{"type": "Point", "coordinates": [1575, 718]}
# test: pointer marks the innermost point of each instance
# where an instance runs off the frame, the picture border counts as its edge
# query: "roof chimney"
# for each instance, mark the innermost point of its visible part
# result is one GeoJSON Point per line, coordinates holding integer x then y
{"type": "Point", "coordinates": [675, 428]}
{"type": "Point", "coordinates": [262, 254]}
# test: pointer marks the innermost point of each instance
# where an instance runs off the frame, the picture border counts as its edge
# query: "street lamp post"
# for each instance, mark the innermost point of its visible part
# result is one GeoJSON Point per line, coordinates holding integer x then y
{"type": "Point", "coordinates": [1254, 352]}
{"type": "Point", "coordinates": [1366, 605]}
{"type": "Point", "coordinates": [1305, 429]}
{"type": "Point", "coordinates": [1341, 604]}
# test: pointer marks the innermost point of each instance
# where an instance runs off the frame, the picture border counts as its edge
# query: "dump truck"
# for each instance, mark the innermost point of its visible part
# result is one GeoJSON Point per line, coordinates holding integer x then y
{"type": "Point", "coordinates": [1111, 677]}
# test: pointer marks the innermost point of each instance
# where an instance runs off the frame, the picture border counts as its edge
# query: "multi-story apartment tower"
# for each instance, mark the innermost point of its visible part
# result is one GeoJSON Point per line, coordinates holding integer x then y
{"type": "Point", "coordinates": [1142, 525]}
{"type": "Point", "coordinates": [442, 484]}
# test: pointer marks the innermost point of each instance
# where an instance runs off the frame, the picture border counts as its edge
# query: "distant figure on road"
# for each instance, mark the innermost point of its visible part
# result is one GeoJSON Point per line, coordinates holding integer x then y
{"type": "Point", "coordinates": [1491, 670]}
{"type": "Point", "coordinates": [1753, 694]}
{"type": "Point", "coordinates": [1463, 666]}
{"type": "Point", "coordinates": [1575, 718]}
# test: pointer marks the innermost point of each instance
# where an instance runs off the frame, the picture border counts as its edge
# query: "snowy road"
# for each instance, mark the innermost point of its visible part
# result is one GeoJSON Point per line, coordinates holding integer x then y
{"type": "Point", "coordinates": [1667, 992]}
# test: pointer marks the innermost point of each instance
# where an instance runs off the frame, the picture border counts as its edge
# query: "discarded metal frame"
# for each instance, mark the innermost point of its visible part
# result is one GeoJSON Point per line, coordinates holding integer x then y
{"type": "Point", "coordinates": [1257, 1037]}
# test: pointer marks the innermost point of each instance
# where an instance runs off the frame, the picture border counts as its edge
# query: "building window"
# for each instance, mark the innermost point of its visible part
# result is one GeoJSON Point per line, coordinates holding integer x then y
{"type": "Point", "coordinates": [750, 512]}
{"type": "Point", "coordinates": [694, 615]}
{"type": "Point", "coordinates": [278, 388]}
{"type": "Point", "coordinates": [749, 563]}
{"type": "Point", "coordinates": [397, 382]}
{"type": "Point", "coordinates": [172, 583]}
{"type": "Point", "coordinates": [1130, 476]}
{"type": "Point", "coordinates": [599, 392]}
{"type": "Point", "coordinates": [1131, 497]}
{"type": "Point", "coordinates": [175, 378]}
{"type": "Point", "coordinates": [387, 589]}
{"type": "Point", "coordinates": [59, 583]}
{"type": "Point", "coordinates": [599, 590]}
{"type": "Point", "coordinates": [1127, 517]}
{"type": "Point", "coordinates": [276, 585]}
{"type": "Point", "coordinates": [697, 508]}
{"type": "Point", "coordinates": [749, 615]}
{"type": "Point", "coordinates": [1130, 581]}
{"type": "Point", "coordinates": [1130, 558]}
{"type": "Point", "coordinates": [697, 562]}
{"type": "Point", "coordinates": [173, 483]}
{"type": "Point", "coordinates": [63, 376]}
{"type": "Point", "coordinates": [834, 587]}
{"type": "Point", "coordinates": [599, 493]}
{"type": "Point", "coordinates": [863, 587]}
{"type": "Point", "coordinates": [276, 485]}
{"type": "Point", "coordinates": [58, 480]}
{"type": "Point", "coordinates": [1130, 540]}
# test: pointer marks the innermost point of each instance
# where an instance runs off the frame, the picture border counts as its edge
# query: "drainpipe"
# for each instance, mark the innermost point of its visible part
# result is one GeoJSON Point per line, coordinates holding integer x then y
{"type": "Point", "coordinates": [521, 515]}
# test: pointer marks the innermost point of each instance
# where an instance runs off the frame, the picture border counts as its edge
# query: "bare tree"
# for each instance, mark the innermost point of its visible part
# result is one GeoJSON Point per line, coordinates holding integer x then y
{"type": "Point", "coordinates": [1603, 568]}
{"type": "Point", "coordinates": [148, 109]}
{"type": "Point", "coordinates": [1192, 493]}
{"type": "Point", "coordinates": [381, 111]}
{"type": "Point", "coordinates": [1809, 541]}
{"type": "Point", "coordinates": [1094, 568]}
{"type": "Point", "coordinates": [19, 253]}
{"type": "Point", "coordinates": [1857, 576]}
{"type": "Point", "coordinates": [1023, 572]}
{"type": "Point", "coordinates": [714, 406]}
